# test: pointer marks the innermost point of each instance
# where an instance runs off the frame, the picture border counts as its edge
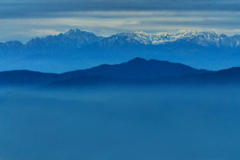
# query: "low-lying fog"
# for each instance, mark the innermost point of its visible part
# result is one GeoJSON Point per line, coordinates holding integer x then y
{"type": "Point", "coordinates": [154, 123]}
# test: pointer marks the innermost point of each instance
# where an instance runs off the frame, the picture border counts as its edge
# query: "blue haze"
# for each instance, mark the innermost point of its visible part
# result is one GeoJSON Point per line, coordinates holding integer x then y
{"type": "Point", "coordinates": [170, 123]}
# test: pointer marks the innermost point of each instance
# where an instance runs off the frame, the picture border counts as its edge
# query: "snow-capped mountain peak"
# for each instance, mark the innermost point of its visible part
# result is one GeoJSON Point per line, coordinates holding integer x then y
{"type": "Point", "coordinates": [187, 32]}
{"type": "Point", "coordinates": [204, 38]}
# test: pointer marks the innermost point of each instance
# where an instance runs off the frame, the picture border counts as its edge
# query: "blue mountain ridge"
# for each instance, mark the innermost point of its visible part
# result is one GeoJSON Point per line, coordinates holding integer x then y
{"type": "Point", "coordinates": [77, 49]}
{"type": "Point", "coordinates": [137, 71]}
{"type": "Point", "coordinates": [137, 68]}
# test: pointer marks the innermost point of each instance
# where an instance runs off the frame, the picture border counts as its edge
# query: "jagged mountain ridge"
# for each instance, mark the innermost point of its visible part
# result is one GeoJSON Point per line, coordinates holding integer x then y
{"type": "Point", "coordinates": [77, 49]}
{"type": "Point", "coordinates": [74, 38]}
{"type": "Point", "coordinates": [52, 43]}
{"type": "Point", "coordinates": [194, 36]}
{"type": "Point", "coordinates": [78, 38]}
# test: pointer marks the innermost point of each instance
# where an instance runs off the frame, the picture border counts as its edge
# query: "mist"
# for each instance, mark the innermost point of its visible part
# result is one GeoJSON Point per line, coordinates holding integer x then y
{"type": "Point", "coordinates": [135, 123]}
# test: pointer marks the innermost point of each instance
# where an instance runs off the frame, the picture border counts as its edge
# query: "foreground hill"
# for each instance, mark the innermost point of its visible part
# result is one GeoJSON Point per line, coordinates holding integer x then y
{"type": "Point", "coordinates": [137, 68]}
{"type": "Point", "coordinates": [134, 72]}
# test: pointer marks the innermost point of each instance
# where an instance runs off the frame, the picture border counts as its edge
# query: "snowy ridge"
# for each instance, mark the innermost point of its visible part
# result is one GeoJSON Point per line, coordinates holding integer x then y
{"type": "Point", "coordinates": [209, 38]}
{"type": "Point", "coordinates": [76, 38]}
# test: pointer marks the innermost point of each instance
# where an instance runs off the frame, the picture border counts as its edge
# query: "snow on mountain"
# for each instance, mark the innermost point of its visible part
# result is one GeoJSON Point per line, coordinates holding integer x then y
{"type": "Point", "coordinates": [161, 37]}
{"type": "Point", "coordinates": [209, 38]}
{"type": "Point", "coordinates": [76, 38]}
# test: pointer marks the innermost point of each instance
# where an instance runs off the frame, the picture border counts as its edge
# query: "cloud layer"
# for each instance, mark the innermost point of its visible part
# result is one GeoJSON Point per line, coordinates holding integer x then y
{"type": "Point", "coordinates": [30, 18]}
{"type": "Point", "coordinates": [37, 9]}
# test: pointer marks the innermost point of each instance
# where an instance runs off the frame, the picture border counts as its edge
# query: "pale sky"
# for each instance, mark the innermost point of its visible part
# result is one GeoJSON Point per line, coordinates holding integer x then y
{"type": "Point", "coordinates": [26, 19]}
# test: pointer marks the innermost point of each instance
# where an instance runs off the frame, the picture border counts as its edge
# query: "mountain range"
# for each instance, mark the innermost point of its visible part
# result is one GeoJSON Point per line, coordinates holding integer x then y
{"type": "Point", "coordinates": [194, 36]}
{"type": "Point", "coordinates": [137, 71]}
{"type": "Point", "coordinates": [77, 49]}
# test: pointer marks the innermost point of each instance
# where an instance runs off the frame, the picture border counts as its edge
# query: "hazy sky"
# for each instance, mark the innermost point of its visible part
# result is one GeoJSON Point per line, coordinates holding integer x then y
{"type": "Point", "coordinates": [25, 19]}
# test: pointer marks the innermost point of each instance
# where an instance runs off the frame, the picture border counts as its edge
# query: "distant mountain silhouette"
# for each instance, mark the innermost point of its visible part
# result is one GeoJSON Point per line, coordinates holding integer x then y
{"type": "Point", "coordinates": [134, 72]}
{"type": "Point", "coordinates": [137, 68]}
